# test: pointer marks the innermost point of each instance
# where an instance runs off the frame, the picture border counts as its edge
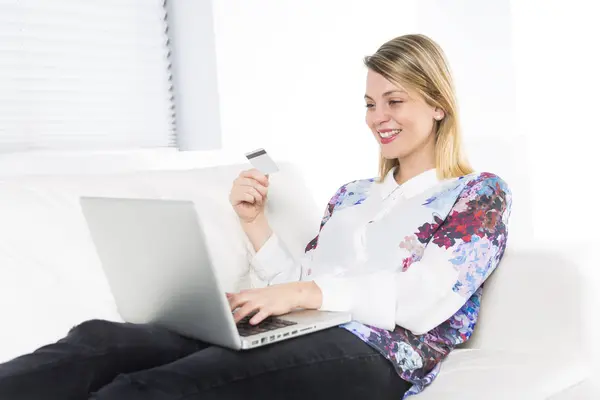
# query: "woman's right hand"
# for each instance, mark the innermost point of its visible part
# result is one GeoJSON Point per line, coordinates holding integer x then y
{"type": "Point", "coordinates": [248, 194]}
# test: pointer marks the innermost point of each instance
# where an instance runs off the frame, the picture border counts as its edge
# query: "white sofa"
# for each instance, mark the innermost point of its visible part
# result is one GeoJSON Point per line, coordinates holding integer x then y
{"type": "Point", "coordinates": [530, 342]}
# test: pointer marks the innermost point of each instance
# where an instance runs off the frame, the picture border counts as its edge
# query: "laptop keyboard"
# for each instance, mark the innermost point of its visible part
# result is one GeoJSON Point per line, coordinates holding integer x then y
{"type": "Point", "coordinates": [269, 324]}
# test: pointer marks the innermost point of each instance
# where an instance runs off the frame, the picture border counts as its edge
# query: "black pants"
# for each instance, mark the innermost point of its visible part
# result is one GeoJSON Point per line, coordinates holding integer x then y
{"type": "Point", "coordinates": [105, 360]}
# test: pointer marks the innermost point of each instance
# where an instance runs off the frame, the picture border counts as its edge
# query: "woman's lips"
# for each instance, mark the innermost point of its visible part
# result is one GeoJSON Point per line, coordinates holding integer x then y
{"type": "Point", "coordinates": [389, 139]}
{"type": "Point", "coordinates": [388, 135]}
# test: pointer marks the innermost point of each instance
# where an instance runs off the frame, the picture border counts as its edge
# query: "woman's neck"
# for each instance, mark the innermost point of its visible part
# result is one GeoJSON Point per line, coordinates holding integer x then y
{"type": "Point", "coordinates": [409, 168]}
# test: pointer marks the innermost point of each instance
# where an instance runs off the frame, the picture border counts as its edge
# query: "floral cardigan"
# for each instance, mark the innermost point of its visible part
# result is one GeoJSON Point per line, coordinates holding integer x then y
{"type": "Point", "coordinates": [468, 220]}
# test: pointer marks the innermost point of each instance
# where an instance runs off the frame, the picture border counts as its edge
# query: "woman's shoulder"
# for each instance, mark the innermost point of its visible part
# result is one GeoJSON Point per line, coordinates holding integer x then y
{"type": "Point", "coordinates": [482, 188]}
{"type": "Point", "coordinates": [478, 181]}
{"type": "Point", "coordinates": [358, 185]}
{"type": "Point", "coordinates": [353, 192]}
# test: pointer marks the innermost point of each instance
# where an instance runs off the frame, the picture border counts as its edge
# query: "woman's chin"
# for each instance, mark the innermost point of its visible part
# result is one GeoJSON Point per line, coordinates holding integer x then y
{"type": "Point", "coordinates": [388, 155]}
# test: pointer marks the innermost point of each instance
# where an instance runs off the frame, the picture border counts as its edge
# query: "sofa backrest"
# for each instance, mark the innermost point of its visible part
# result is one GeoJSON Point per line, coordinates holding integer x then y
{"type": "Point", "coordinates": [50, 274]}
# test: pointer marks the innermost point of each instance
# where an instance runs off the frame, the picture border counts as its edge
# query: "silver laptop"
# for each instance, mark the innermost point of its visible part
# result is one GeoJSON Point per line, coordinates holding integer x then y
{"type": "Point", "coordinates": [154, 255]}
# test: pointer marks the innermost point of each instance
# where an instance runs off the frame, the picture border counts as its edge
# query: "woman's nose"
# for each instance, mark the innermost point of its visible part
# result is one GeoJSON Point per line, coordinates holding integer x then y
{"type": "Point", "coordinates": [380, 116]}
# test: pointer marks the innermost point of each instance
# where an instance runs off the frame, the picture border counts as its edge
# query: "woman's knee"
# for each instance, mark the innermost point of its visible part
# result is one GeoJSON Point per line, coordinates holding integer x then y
{"type": "Point", "coordinates": [97, 331]}
{"type": "Point", "coordinates": [93, 327]}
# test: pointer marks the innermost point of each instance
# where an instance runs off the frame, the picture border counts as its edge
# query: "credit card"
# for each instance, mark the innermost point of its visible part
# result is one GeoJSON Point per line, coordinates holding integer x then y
{"type": "Point", "coordinates": [262, 161]}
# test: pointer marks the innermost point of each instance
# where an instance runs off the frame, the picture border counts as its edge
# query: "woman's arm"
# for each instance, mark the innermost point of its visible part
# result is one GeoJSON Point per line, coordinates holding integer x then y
{"type": "Point", "coordinates": [463, 251]}
{"type": "Point", "coordinates": [273, 262]}
{"type": "Point", "coordinates": [257, 231]}
{"type": "Point", "coordinates": [276, 267]}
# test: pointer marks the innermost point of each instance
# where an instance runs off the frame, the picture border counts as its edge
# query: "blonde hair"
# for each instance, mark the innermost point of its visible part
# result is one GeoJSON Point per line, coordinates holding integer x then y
{"type": "Point", "coordinates": [417, 61]}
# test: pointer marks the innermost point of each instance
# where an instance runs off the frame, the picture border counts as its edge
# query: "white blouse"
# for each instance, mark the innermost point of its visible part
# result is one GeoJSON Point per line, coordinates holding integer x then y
{"type": "Point", "coordinates": [360, 263]}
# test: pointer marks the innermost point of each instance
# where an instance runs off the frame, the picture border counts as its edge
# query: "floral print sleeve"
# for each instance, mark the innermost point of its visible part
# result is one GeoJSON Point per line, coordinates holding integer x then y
{"type": "Point", "coordinates": [474, 232]}
{"type": "Point", "coordinates": [470, 238]}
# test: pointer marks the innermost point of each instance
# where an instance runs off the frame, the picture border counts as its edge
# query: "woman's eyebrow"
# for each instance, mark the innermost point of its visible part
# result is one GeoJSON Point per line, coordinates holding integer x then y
{"type": "Point", "coordinates": [388, 93]}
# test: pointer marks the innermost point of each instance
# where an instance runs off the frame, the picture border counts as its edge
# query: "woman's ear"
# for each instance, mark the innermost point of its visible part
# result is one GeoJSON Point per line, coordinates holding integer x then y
{"type": "Point", "coordinates": [438, 114]}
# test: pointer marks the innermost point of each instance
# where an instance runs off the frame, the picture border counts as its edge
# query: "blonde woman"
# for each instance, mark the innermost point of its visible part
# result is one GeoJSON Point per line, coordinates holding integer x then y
{"type": "Point", "coordinates": [406, 253]}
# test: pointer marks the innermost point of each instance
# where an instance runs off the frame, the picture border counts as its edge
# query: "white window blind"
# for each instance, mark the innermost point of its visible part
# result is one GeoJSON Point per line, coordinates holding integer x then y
{"type": "Point", "coordinates": [84, 74]}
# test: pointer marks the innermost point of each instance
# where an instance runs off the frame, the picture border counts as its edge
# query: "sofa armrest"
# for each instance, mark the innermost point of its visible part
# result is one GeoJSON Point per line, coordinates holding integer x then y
{"type": "Point", "coordinates": [482, 374]}
{"type": "Point", "coordinates": [588, 389]}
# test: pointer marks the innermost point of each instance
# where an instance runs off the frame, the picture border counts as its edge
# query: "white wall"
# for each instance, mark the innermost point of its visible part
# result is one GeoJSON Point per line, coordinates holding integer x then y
{"type": "Point", "coordinates": [557, 70]}
{"type": "Point", "coordinates": [476, 36]}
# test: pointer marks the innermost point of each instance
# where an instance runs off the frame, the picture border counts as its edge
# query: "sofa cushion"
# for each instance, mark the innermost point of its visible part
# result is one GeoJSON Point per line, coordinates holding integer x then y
{"type": "Point", "coordinates": [498, 375]}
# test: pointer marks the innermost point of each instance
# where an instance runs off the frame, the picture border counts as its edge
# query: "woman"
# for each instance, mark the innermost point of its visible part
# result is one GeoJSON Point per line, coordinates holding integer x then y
{"type": "Point", "coordinates": [406, 254]}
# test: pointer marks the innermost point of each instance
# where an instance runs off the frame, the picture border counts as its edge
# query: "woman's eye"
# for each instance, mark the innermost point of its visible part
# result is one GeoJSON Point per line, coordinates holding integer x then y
{"type": "Point", "coordinates": [393, 102]}
{"type": "Point", "coordinates": [369, 105]}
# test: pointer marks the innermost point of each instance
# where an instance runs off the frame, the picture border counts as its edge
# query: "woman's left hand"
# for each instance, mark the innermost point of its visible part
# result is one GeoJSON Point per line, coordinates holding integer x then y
{"type": "Point", "coordinates": [274, 300]}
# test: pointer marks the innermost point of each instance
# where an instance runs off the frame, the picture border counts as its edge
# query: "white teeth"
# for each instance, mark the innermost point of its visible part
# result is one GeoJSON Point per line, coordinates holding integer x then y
{"type": "Point", "coordinates": [389, 133]}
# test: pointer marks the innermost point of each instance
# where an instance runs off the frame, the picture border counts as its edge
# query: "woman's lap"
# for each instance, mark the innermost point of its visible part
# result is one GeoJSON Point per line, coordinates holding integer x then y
{"type": "Point", "coordinates": [324, 365]}
{"type": "Point", "coordinates": [153, 363]}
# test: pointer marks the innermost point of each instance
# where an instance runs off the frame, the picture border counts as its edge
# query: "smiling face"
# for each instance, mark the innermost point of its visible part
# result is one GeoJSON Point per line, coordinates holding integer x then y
{"type": "Point", "coordinates": [400, 119]}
